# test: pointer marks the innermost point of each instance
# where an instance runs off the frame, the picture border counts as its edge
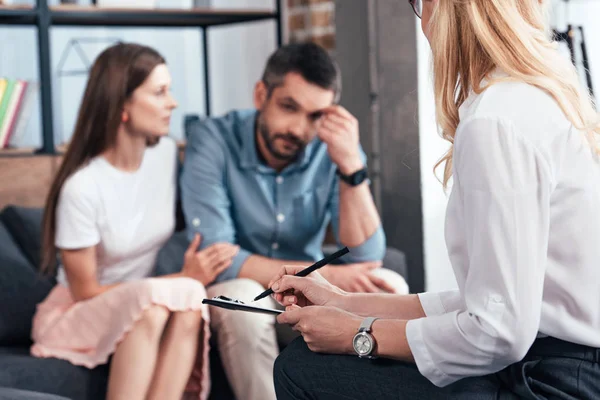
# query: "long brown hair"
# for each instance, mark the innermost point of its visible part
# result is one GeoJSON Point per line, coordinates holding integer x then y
{"type": "Point", "coordinates": [116, 73]}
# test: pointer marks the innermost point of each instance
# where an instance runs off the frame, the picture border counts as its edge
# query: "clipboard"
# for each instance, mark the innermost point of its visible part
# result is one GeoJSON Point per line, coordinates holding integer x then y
{"type": "Point", "coordinates": [237, 305]}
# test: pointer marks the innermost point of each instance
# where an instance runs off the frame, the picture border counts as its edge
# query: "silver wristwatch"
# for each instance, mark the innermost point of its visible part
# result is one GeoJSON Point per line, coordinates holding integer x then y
{"type": "Point", "coordinates": [363, 342]}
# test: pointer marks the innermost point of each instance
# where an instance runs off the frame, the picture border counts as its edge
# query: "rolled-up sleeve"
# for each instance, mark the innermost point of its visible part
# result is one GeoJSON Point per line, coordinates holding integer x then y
{"type": "Point", "coordinates": [441, 302]}
{"type": "Point", "coordinates": [206, 203]}
{"type": "Point", "coordinates": [503, 186]}
{"type": "Point", "coordinates": [373, 248]}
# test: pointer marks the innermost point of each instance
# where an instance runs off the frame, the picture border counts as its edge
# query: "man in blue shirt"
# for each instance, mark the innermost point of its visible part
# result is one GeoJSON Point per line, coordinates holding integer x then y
{"type": "Point", "coordinates": [272, 180]}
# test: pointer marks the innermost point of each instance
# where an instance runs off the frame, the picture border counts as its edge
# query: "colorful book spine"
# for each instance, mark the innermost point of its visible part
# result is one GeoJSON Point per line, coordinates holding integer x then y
{"type": "Point", "coordinates": [12, 112]}
{"type": "Point", "coordinates": [15, 108]}
{"type": "Point", "coordinates": [3, 84]}
{"type": "Point", "coordinates": [6, 98]}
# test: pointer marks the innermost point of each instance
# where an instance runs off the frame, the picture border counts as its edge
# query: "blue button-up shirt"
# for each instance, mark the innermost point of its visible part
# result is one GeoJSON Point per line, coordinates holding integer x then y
{"type": "Point", "coordinates": [229, 195]}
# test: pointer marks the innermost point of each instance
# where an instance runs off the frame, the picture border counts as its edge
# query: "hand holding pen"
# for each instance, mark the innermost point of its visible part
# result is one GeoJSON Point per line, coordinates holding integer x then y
{"type": "Point", "coordinates": [305, 286]}
{"type": "Point", "coordinates": [308, 270]}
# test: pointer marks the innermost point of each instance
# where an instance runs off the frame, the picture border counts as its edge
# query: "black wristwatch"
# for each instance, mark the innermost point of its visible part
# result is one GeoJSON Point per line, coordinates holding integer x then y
{"type": "Point", "coordinates": [356, 178]}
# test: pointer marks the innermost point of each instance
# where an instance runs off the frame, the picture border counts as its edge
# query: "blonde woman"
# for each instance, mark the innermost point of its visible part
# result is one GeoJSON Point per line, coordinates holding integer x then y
{"type": "Point", "coordinates": [523, 223]}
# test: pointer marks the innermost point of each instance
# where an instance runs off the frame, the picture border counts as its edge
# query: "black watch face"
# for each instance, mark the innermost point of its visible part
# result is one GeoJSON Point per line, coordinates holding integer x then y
{"type": "Point", "coordinates": [359, 177]}
{"type": "Point", "coordinates": [362, 344]}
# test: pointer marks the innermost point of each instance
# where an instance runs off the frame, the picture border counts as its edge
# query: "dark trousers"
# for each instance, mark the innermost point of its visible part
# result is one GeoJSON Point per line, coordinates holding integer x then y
{"type": "Point", "coordinates": [552, 369]}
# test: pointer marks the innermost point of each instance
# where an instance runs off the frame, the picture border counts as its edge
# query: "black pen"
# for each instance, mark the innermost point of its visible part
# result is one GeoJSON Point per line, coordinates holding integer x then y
{"type": "Point", "coordinates": [308, 270]}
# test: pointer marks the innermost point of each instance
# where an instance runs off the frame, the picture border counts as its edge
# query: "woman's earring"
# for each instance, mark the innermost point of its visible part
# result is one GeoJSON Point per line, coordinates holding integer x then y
{"type": "Point", "coordinates": [125, 117]}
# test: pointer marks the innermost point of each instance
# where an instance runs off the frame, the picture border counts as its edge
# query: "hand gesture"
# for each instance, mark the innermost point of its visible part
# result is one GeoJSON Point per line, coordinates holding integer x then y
{"type": "Point", "coordinates": [303, 291]}
{"type": "Point", "coordinates": [205, 265]}
{"type": "Point", "coordinates": [339, 130]}
{"type": "Point", "coordinates": [357, 278]}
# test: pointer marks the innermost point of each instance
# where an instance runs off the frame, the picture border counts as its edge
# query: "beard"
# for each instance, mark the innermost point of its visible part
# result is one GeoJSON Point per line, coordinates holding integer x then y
{"type": "Point", "coordinates": [271, 139]}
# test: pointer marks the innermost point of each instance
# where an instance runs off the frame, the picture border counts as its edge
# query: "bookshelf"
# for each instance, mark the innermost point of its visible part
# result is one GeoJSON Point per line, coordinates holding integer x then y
{"type": "Point", "coordinates": [44, 16]}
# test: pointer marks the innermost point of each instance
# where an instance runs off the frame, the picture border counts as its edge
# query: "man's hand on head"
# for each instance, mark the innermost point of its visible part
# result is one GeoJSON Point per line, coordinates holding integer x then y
{"type": "Point", "coordinates": [339, 130]}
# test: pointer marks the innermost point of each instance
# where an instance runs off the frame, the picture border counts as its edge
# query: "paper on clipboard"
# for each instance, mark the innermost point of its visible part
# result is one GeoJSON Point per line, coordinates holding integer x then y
{"type": "Point", "coordinates": [232, 304]}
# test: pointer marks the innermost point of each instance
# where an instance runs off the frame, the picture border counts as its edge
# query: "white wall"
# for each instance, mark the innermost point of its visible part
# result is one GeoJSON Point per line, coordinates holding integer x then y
{"type": "Point", "coordinates": [238, 55]}
{"type": "Point", "coordinates": [182, 49]}
{"type": "Point", "coordinates": [438, 272]}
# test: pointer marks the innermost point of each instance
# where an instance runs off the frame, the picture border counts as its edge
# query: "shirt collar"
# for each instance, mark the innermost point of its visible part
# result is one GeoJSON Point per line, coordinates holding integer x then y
{"type": "Point", "coordinates": [249, 158]}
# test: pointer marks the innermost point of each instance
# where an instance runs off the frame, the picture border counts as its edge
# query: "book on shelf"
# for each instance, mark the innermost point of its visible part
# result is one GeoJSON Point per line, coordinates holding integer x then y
{"type": "Point", "coordinates": [16, 101]}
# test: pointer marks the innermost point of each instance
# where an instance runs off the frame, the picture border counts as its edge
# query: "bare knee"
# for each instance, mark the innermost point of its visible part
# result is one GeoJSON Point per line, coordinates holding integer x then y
{"type": "Point", "coordinates": [187, 322]}
{"type": "Point", "coordinates": [154, 319]}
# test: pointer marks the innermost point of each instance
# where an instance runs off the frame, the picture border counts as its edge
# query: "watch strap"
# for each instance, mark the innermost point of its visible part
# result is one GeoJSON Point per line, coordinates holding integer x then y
{"type": "Point", "coordinates": [366, 324]}
{"type": "Point", "coordinates": [355, 178]}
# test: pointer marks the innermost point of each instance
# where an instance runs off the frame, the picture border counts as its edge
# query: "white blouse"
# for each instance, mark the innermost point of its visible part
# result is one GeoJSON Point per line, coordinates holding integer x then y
{"type": "Point", "coordinates": [523, 237]}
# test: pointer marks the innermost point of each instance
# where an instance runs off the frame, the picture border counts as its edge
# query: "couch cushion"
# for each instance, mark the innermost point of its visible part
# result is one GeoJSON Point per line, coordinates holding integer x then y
{"type": "Point", "coordinates": [25, 225]}
{"type": "Point", "coordinates": [50, 375]}
{"type": "Point", "coordinates": [21, 289]}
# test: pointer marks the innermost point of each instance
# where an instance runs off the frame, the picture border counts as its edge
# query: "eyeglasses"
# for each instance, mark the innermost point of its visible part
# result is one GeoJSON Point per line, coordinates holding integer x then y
{"type": "Point", "coordinates": [417, 6]}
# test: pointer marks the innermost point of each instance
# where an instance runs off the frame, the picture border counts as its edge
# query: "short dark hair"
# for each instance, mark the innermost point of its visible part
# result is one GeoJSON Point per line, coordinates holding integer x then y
{"type": "Point", "coordinates": [309, 60]}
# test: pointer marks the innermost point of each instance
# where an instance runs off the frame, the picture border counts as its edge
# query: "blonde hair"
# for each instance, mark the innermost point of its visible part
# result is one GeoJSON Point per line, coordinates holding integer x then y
{"type": "Point", "coordinates": [471, 38]}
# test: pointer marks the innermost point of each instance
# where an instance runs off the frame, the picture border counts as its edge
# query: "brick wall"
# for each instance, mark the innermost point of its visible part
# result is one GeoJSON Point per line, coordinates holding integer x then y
{"type": "Point", "coordinates": [312, 20]}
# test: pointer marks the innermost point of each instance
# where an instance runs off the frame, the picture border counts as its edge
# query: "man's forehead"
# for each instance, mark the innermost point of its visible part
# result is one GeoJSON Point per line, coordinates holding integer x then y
{"type": "Point", "coordinates": [309, 96]}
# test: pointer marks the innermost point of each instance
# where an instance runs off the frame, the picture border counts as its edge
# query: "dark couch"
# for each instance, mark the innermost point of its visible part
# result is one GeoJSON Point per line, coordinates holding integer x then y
{"type": "Point", "coordinates": [22, 287]}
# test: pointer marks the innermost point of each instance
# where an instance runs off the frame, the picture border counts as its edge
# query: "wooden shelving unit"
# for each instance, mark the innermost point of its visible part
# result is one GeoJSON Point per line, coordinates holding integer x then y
{"type": "Point", "coordinates": [94, 16]}
{"type": "Point", "coordinates": [18, 152]}
{"type": "Point", "coordinates": [72, 15]}
{"type": "Point", "coordinates": [44, 17]}
{"type": "Point", "coordinates": [26, 173]}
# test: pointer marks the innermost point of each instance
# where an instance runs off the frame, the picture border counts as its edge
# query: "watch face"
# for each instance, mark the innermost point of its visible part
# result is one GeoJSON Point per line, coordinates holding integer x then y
{"type": "Point", "coordinates": [362, 344]}
{"type": "Point", "coordinates": [359, 177]}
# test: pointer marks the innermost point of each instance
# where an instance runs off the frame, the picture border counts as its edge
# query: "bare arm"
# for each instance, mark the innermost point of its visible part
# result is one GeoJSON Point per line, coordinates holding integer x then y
{"type": "Point", "coordinates": [382, 305]}
{"type": "Point", "coordinates": [349, 277]}
{"type": "Point", "coordinates": [329, 329]}
{"type": "Point", "coordinates": [358, 218]}
{"type": "Point", "coordinates": [330, 326]}
{"type": "Point", "coordinates": [391, 340]}
{"type": "Point", "coordinates": [354, 215]}
{"type": "Point", "coordinates": [80, 268]}
{"type": "Point", "coordinates": [315, 290]}
{"type": "Point", "coordinates": [204, 266]}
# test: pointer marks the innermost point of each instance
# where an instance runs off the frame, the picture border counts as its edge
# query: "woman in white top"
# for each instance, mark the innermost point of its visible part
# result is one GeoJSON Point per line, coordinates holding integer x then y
{"type": "Point", "coordinates": [522, 231]}
{"type": "Point", "coordinates": [110, 209]}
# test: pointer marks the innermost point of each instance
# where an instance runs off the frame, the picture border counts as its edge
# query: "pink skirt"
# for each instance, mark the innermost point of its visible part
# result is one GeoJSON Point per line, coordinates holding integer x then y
{"type": "Point", "coordinates": [87, 332]}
